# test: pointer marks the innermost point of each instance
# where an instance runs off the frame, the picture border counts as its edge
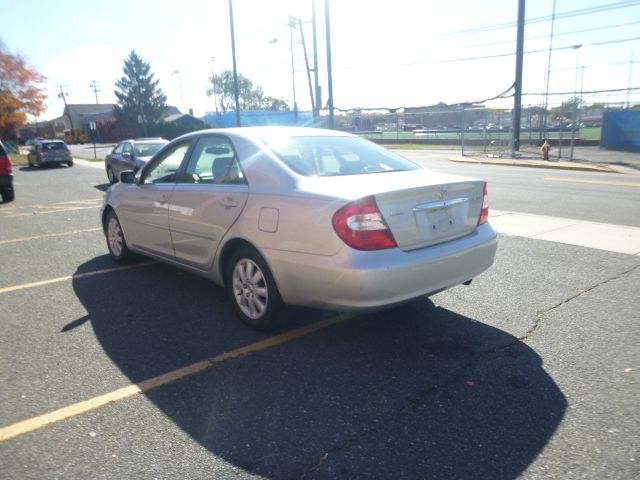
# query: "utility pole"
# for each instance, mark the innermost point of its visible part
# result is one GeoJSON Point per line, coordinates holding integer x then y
{"type": "Point", "coordinates": [292, 25]}
{"type": "Point", "coordinates": [517, 98]}
{"type": "Point", "coordinates": [235, 70]}
{"type": "Point", "coordinates": [63, 96]}
{"type": "Point", "coordinates": [318, 102]}
{"type": "Point", "coordinates": [94, 86]}
{"type": "Point", "coordinates": [546, 84]}
{"type": "Point", "coordinates": [329, 77]}
{"type": "Point", "coordinates": [306, 62]}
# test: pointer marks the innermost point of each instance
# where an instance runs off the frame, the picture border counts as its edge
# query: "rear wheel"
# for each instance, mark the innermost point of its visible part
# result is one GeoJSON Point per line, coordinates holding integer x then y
{"type": "Point", "coordinates": [8, 194]}
{"type": "Point", "coordinates": [70, 163]}
{"type": "Point", "coordinates": [115, 239]}
{"type": "Point", "coordinates": [253, 292]}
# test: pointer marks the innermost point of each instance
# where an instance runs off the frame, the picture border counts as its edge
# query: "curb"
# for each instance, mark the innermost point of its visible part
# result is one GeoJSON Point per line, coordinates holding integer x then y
{"type": "Point", "coordinates": [535, 164]}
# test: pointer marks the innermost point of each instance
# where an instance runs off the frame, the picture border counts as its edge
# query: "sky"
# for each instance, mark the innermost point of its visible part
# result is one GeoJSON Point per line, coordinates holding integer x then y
{"type": "Point", "coordinates": [385, 54]}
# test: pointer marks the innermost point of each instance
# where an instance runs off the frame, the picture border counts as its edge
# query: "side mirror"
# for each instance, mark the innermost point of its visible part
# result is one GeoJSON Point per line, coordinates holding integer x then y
{"type": "Point", "coordinates": [126, 155]}
{"type": "Point", "coordinates": [128, 176]}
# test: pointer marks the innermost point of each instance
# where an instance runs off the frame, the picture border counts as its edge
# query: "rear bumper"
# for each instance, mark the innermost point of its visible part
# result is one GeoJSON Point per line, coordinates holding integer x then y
{"type": "Point", "coordinates": [6, 181]}
{"type": "Point", "coordinates": [356, 280]}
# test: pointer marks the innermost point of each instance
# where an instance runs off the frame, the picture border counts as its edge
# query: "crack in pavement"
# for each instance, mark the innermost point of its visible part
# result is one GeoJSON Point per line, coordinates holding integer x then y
{"type": "Point", "coordinates": [541, 313]}
{"type": "Point", "coordinates": [458, 374]}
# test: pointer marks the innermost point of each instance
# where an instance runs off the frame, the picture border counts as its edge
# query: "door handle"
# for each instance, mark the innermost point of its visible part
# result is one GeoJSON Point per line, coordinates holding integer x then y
{"type": "Point", "coordinates": [229, 202]}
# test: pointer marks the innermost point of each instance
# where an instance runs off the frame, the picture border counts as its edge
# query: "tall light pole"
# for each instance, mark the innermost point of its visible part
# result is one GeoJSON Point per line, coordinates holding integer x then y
{"type": "Point", "coordinates": [235, 70]}
{"type": "Point", "coordinates": [318, 102]}
{"type": "Point", "coordinates": [329, 73]}
{"type": "Point", "coordinates": [292, 24]}
{"type": "Point", "coordinates": [177, 73]}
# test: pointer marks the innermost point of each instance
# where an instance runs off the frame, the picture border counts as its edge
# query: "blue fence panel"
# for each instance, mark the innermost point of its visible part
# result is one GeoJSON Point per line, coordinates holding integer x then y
{"type": "Point", "coordinates": [253, 118]}
{"type": "Point", "coordinates": [621, 130]}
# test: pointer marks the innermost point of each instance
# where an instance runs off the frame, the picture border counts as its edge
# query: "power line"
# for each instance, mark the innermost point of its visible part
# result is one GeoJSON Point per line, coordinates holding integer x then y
{"type": "Point", "coordinates": [510, 41]}
{"type": "Point", "coordinates": [567, 14]}
{"type": "Point", "coordinates": [510, 54]}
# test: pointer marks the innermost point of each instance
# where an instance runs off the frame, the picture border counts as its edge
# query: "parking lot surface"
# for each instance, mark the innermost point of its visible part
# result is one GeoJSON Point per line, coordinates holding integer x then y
{"type": "Point", "coordinates": [144, 372]}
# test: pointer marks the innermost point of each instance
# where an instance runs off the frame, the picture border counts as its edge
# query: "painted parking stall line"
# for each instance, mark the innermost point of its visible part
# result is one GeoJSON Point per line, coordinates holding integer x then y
{"type": "Point", "coordinates": [66, 278]}
{"type": "Point", "coordinates": [49, 235]}
{"type": "Point", "coordinates": [47, 419]}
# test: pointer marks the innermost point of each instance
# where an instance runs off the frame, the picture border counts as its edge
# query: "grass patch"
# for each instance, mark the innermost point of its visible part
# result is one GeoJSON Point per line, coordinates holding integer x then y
{"type": "Point", "coordinates": [19, 159]}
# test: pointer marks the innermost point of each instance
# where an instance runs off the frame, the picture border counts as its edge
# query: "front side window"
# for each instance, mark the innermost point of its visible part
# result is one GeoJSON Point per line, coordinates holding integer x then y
{"type": "Point", "coordinates": [166, 168]}
{"type": "Point", "coordinates": [317, 156]}
{"type": "Point", "coordinates": [214, 161]}
{"type": "Point", "coordinates": [118, 149]}
{"type": "Point", "coordinates": [127, 149]}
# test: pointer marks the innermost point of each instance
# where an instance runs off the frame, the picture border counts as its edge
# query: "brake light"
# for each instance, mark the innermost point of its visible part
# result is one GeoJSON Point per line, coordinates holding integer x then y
{"type": "Point", "coordinates": [5, 165]}
{"type": "Point", "coordinates": [360, 225]}
{"type": "Point", "coordinates": [484, 211]}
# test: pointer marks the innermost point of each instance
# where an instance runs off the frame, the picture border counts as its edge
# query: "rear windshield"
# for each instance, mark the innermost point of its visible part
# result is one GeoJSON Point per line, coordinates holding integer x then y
{"type": "Point", "coordinates": [331, 156]}
{"type": "Point", "coordinates": [147, 149]}
{"type": "Point", "coordinates": [53, 146]}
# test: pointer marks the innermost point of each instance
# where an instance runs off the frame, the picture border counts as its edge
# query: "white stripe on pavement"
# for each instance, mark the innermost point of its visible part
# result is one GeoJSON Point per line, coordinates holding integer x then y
{"type": "Point", "coordinates": [602, 236]}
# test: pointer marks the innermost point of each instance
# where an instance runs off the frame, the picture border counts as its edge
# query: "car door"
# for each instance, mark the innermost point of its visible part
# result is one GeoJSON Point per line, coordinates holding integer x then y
{"type": "Point", "coordinates": [127, 158]}
{"type": "Point", "coordinates": [143, 208]}
{"type": "Point", "coordinates": [114, 159]}
{"type": "Point", "coordinates": [206, 201]}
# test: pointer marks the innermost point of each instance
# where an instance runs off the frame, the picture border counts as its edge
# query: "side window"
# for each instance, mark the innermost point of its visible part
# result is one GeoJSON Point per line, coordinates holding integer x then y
{"type": "Point", "coordinates": [128, 149]}
{"type": "Point", "coordinates": [165, 169]}
{"type": "Point", "coordinates": [214, 161]}
{"type": "Point", "coordinates": [118, 149]}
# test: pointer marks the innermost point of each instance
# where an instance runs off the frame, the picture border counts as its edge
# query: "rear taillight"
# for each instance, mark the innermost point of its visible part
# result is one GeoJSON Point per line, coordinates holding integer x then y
{"type": "Point", "coordinates": [484, 211]}
{"type": "Point", "coordinates": [43, 152]}
{"type": "Point", "coordinates": [360, 225]}
{"type": "Point", "coordinates": [5, 165]}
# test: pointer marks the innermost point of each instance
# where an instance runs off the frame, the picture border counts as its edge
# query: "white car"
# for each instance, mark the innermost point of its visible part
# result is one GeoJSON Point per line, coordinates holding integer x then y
{"type": "Point", "coordinates": [301, 216]}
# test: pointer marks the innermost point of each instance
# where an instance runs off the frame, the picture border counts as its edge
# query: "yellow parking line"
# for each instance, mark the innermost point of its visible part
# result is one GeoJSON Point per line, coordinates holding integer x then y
{"type": "Point", "coordinates": [66, 278]}
{"type": "Point", "coordinates": [595, 182]}
{"type": "Point", "coordinates": [66, 209]}
{"type": "Point", "coordinates": [41, 421]}
{"type": "Point", "coordinates": [48, 235]}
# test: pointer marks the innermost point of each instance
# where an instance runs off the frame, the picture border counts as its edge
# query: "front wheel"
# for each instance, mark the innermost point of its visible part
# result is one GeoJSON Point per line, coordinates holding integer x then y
{"type": "Point", "coordinates": [110, 175]}
{"type": "Point", "coordinates": [8, 194]}
{"type": "Point", "coordinates": [253, 292]}
{"type": "Point", "coordinates": [115, 239]}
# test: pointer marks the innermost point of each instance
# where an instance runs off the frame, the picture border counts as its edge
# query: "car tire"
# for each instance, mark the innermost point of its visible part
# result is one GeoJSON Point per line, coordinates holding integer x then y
{"type": "Point", "coordinates": [70, 163]}
{"type": "Point", "coordinates": [115, 239]}
{"type": "Point", "coordinates": [253, 291]}
{"type": "Point", "coordinates": [8, 194]}
{"type": "Point", "coordinates": [111, 176]}
{"type": "Point", "coordinates": [30, 162]}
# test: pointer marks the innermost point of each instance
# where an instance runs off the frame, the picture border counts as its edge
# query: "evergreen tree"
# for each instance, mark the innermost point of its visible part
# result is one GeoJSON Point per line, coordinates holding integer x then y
{"type": "Point", "coordinates": [138, 94]}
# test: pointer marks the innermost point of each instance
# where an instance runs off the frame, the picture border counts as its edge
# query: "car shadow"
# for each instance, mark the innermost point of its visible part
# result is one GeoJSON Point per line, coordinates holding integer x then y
{"type": "Point", "coordinates": [102, 187]}
{"type": "Point", "coordinates": [418, 391]}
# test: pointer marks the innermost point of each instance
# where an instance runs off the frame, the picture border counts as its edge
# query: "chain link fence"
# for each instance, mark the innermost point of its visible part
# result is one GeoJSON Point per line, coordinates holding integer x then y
{"type": "Point", "coordinates": [482, 130]}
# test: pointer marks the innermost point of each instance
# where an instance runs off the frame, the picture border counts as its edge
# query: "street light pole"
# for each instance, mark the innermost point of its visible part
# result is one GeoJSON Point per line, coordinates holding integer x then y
{"type": "Point", "coordinates": [575, 100]}
{"type": "Point", "coordinates": [235, 70]}
{"type": "Point", "coordinates": [292, 25]}
{"type": "Point", "coordinates": [329, 73]}
{"type": "Point", "coordinates": [213, 84]}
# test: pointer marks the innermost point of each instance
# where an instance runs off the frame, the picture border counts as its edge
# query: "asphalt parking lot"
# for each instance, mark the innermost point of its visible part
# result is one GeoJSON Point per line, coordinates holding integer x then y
{"type": "Point", "coordinates": [144, 372]}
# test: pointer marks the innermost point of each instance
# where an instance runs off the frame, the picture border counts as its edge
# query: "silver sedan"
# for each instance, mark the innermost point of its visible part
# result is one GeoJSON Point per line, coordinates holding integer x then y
{"type": "Point", "coordinates": [300, 216]}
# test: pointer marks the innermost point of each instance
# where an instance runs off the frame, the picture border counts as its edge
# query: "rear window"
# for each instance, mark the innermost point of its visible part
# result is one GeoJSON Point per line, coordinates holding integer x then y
{"type": "Point", "coordinates": [147, 149]}
{"type": "Point", "coordinates": [316, 156]}
{"type": "Point", "coordinates": [53, 146]}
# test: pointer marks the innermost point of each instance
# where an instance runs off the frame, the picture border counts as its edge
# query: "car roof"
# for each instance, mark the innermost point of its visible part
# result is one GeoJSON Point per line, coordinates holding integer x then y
{"type": "Point", "coordinates": [146, 140]}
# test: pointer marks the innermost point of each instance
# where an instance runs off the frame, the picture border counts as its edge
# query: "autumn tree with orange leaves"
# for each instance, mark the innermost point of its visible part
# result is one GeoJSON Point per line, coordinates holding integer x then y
{"type": "Point", "coordinates": [20, 93]}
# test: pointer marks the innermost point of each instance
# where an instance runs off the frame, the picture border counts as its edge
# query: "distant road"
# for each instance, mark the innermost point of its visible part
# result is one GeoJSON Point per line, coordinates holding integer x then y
{"type": "Point", "coordinates": [86, 150]}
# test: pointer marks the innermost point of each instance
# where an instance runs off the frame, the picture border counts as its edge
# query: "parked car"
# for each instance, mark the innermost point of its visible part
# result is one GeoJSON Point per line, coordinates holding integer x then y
{"type": "Point", "coordinates": [131, 155]}
{"type": "Point", "coordinates": [6, 175]}
{"type": "Point", "coordinates": [49, 152]}
{"type": "Point", "coordinates": [301, 216]}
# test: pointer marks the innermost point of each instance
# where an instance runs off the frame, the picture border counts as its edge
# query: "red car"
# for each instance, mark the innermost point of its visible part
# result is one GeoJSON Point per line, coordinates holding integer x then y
{"type": "Point", "coordinates": [6, 175]}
